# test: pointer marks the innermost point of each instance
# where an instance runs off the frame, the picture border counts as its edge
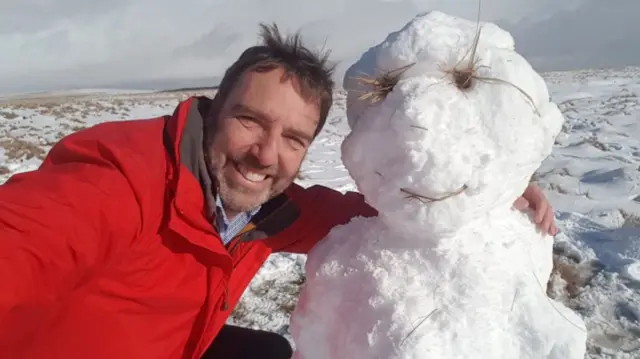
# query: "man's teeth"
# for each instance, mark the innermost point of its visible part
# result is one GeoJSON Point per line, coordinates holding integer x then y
{"type": "Point", "coordinates": [251, 176]}
{"type": "Point", "coordinates": [254, 177]}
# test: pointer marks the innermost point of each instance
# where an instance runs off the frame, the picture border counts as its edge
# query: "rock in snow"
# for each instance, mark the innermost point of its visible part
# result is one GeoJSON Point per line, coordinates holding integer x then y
{"type": "Point", "coordinates": [448, 269]}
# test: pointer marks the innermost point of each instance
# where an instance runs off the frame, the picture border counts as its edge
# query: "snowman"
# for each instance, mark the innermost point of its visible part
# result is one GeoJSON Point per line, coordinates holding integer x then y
{"type": "Point", "coordinates": [448, 124]}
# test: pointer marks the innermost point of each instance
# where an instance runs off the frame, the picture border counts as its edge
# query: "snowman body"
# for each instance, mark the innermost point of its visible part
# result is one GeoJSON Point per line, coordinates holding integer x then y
{"type": "Point", "coordinates": [448, 269]}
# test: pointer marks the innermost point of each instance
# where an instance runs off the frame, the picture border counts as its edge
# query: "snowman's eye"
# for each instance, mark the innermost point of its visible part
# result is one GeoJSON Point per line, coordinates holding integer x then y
{"type": "Point", "coordinates": [382, 84]}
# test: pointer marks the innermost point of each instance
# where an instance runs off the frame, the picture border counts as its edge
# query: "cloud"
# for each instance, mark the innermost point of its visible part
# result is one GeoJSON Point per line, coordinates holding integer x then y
{"type": "Point", "coordinates": [597, 34]}
{"type": "Point", "coordinates": [50, 44]}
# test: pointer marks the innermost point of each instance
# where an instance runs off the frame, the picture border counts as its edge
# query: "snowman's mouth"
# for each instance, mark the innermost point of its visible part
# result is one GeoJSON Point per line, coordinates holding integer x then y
{"type": "Point", "coordinates": [410, 194]}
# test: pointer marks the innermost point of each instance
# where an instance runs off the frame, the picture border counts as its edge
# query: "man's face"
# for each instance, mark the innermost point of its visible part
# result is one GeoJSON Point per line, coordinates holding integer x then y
{"type": "Point", "coordinates": [262, 134]}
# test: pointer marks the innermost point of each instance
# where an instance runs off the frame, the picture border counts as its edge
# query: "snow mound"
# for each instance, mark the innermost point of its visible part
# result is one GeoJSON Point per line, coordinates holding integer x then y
{"type": "Point", "coordinates": [448, 269]}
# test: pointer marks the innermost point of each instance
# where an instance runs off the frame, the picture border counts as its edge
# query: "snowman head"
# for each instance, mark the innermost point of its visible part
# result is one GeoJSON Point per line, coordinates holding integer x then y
{"type": "Point", "coordinates": [431, 152]}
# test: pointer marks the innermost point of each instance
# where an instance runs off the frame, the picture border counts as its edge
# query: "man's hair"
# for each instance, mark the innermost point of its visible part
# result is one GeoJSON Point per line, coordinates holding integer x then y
{"type": "Point", "coordinates": [311, 70]}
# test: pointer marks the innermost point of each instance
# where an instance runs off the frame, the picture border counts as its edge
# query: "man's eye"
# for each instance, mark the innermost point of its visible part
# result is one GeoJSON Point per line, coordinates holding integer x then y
{"type": "Point", "coordinates": [295, 143]}
{"type": "Point", "coordinates": [246, 121]}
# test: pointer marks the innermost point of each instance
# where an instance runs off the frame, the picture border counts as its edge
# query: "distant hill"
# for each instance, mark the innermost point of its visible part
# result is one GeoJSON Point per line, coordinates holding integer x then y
{"type": "Point", "coordinates": [190, 89]}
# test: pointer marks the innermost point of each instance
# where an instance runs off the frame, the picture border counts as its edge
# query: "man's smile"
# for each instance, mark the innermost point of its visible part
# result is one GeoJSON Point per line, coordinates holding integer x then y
{"type": "Point", "coordinates": [248, 177]}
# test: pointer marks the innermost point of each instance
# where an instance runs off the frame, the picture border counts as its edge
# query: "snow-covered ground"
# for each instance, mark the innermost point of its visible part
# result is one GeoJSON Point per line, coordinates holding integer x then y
{"type": "Point", "coordinates": [592, 179]}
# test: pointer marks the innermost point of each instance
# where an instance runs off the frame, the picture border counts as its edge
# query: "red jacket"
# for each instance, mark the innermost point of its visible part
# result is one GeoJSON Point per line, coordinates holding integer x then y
{"type": "Point", "coordinates": [108, 251]}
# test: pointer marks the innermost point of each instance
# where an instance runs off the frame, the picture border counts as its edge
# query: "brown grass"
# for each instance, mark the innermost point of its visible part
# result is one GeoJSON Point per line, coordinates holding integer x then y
{"type": "Point", "coordinates": [16, 148]}
{"type": "Point", "coordinates": [282, 292]}
{"type": "Point", "coordinates": [573, 277]}
{"type": "Point", "coordinates": [9, 115]}
{"type": "Point", "coordinates": [382, 84]}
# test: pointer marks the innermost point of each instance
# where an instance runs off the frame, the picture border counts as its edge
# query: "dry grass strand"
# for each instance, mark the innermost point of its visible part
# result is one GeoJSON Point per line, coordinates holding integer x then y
{"type": "Point", "coordinates": [463, 77]}
{"type": "Point", "coordinates": [426, 200]}
{"type": "Point", "coordinates": [382, 84]}
{"type": "Point", "coordinates": [550, 300]}
{"type": "Point", "coordinates": [523, 92]}
{"type": "Point", "coordinates": [417, 326]}
{"type": "Point", "coordinates": [420, 127]}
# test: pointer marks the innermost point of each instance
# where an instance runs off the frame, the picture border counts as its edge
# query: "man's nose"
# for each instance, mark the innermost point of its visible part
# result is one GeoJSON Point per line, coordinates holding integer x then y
{"type": "Point", "coordinates": [266, 150]}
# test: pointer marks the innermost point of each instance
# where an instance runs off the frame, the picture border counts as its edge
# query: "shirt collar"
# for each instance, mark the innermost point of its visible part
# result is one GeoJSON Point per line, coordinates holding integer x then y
{"type": "Point", "coordinates": [223, 215]}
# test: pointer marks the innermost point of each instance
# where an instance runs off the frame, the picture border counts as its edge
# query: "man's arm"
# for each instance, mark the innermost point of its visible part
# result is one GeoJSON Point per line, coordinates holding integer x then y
{"type": "Point", "coordinates": [59, 225]}
{"type": "Point", "coordinates": [322, 208]}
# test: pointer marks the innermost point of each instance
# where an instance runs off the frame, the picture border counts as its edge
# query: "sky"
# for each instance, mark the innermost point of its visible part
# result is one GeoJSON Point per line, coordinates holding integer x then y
{"type": "Point", "coordinates": [62, 44]}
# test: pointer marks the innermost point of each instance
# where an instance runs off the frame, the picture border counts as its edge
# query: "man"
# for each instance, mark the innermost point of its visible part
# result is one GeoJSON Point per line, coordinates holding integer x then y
{"type": "Point", "coordinates": [136, 239]}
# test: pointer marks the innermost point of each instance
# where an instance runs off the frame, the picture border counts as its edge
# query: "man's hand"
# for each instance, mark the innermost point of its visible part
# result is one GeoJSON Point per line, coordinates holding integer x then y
{"type": "Point", "coordinates": [534, 198]}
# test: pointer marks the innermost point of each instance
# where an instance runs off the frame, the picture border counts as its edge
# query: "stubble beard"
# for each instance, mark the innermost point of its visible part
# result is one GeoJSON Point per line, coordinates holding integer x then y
{"type": "Point", "coordinates": [236, 198]}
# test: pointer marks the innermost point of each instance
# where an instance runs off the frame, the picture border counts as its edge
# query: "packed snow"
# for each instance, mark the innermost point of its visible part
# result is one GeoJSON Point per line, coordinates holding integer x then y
{"type": "Point", "coordinates": [597, 251]}
{"type": "Point", "coordinates": [449, 269]}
